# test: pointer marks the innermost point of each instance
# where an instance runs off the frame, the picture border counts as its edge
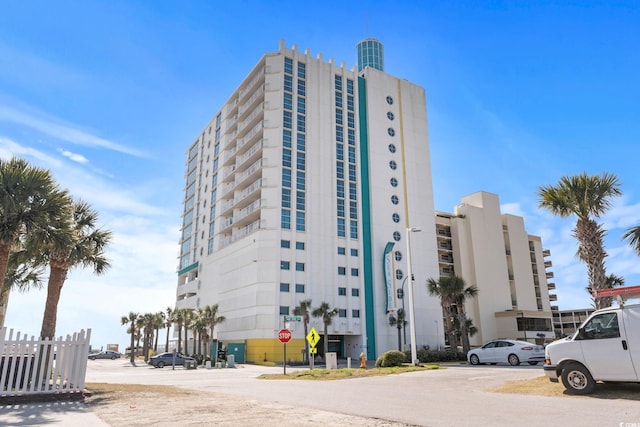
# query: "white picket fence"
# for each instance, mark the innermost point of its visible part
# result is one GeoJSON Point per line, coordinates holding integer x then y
{"type": "Point", "coordinates": [37, 366]}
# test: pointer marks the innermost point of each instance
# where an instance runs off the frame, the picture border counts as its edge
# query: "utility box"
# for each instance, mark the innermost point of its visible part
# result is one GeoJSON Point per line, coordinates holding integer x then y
{"type": "Point", "coordinates": [231, 361]}
{"type": "Point", "coordinates": [332, 360]}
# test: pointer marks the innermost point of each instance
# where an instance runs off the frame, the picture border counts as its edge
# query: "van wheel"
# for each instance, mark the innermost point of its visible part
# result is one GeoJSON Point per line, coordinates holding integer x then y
{"type": "Point", "coordinates": [513, 360]}
{"type": "Point", "coordinates": [577, 379]}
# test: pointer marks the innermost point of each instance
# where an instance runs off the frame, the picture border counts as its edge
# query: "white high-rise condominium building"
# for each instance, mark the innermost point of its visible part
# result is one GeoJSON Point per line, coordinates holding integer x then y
{"type": "Point", "coordinates": [303, 186]}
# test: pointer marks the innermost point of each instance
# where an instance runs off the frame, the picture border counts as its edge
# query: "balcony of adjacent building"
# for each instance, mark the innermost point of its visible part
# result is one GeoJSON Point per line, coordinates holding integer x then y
{"type": "Point", "coordinates": [446, 271]}
{"type": "Point", "coordinates": [247, 215]}
{"type": "Point", "coordinates": [189, 301]}
{"type": "Point", "coordinates": [230, 236]}
{"type": "Point", "coordinates": [445, 246]}
{"type": "Point", "coordinates": [553, 297]}
{"type": "Point", "coordinates": [187, 289]}
{"type": "Point", "coordinates": [549, 274]}
{"type": "Point", "coordinates": [548, 264]}
{"type": "Point", "coordinates": [551, 285]}
{"type": "Point", "coordinates": [546, 253]}
{"type": "Point", "coordinates": [445, 259]}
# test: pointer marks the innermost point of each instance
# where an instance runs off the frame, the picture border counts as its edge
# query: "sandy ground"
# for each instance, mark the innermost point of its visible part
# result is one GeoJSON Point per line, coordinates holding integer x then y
{"type": "Point", "coordinates": [122, 405]}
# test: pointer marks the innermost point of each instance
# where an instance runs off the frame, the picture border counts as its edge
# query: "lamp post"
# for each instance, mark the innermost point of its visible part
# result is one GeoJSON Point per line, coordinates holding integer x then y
{"type": "Point", "coordinates": [412, 322]}
{"type": "Point", "coordinates": [404, 323]}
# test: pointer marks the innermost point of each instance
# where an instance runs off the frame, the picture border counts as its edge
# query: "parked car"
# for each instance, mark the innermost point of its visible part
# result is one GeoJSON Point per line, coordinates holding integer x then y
{"type": "Point", "coordinates": [166, 359]}
{"type": "Point", "coordinates": [606, 347]}
{"type": "Point", "coordinates": [512, 352]}
{"type": "Point", "coordinates": [107, 354]}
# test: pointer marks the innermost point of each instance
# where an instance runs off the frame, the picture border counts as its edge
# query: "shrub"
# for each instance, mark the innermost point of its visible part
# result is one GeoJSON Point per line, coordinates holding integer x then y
{"type": "Point", "coordinates": [433, 356]}
{"type": "Point", "coordinates": [391, 358]}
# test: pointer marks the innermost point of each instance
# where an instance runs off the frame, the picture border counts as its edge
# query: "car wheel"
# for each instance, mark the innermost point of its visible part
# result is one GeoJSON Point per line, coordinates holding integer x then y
{"type": "Point", "coordinates": [513, 360]}
{"type": "Point", "coordinates": [92, 358]}
{"type": "Point", "coordinates": [577, 379]}
{"type": "Point", "coordinates": [474, 359]}
{"type": "Point", "coordinates": [533, 363]}
{"type": "Point", "coordinates": [113, 358]}
{"type": "Point", "coordinates": [160, 365]}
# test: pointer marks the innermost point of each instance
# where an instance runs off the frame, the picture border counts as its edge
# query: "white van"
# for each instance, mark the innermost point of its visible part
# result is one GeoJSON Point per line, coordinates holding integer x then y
{"type": "Point", "coordinates": [606, 347]}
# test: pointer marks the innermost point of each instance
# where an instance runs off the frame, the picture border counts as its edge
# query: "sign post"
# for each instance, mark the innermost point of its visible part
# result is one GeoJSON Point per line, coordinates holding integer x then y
{"type": "Point", "coordinates": [313, 337]}
{"type": "Point", "coordinates": [284, 336]}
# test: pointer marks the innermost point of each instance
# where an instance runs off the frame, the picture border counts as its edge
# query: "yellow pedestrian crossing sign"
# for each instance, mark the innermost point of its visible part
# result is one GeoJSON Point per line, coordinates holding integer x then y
{"type": "Point", "coordinates": [313, 338]}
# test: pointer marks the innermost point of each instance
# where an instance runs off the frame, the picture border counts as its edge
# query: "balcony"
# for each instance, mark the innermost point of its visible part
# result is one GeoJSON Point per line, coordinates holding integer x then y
{"type": "Point", "coordinates": [553, 297]}
{"type": "Point", "coordinates": [546, 252]}
{"type": "Point", "coordinates": [548, 264]}
{"type": "Point", "coordinates": [188, 289]}
{"type": "Point", "coordinates": [549, 274]}
{"type": "Point", "coordinates": [446, 259]}
{"type": "Point", "coordinates": [551, 285]}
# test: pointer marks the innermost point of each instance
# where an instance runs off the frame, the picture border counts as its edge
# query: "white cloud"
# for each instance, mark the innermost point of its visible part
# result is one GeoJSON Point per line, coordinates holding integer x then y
{"type": "Point", "coordinates": [56, 128]}
{"type": "Point", "coordinates": [73, 156]}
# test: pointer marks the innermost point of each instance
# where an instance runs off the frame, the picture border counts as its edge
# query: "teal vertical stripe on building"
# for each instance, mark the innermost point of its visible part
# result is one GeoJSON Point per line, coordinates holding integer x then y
{"type": "Point", "coordinates": [366, 221]}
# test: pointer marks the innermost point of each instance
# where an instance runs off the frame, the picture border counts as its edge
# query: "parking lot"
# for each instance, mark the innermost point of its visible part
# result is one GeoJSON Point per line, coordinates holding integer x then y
{"type": "Point", "coordinates": [457, 395]}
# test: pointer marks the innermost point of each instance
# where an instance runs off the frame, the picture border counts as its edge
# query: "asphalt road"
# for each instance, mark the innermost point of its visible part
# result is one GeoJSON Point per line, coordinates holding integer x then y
{"type": "Point", "coordinates": [457, 396]}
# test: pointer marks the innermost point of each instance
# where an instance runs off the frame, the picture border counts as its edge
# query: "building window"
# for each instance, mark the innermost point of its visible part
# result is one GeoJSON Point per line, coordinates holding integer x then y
{"type": "Point", "coordinates": [342, 271]}
{"type": "Point", "coordinates": [395, 217]}
{"type": "Point", "coordinates": [288, 101]}
{"type": "Point", "coordinates": [284, 265]}
{"type": "Point", "coordinates": [286, 158]}
{"type": "Point", "coordinates": [300, 200]}
{"type": "Point", "coordinates": [392, 148]}
{"type": "Point", "coordinates": [399, 274]}
{"type": "Point", "coordinates": [391, 132]}
{"type": "Point", "coordinates": [393, 182]}
{"type": "Point", "coordinates": [394, 199]}
{"type": "Point", "coordinates": [350, 86]}
{"type": "Point", "coordinates": [342, 312]}
{"type": "Point", "coordinates": [355, 313]}
{"type": "Point", "coordinates": [393, 165]}
{"type": "Point", "coordinates": [286, 198]}
{"type": "Point", "coordinates": [284, 310]}
{"type": "Point", "coordinates": [288, 83]}
{"type": "Point", "coordinates": [353, 229]}
{"type": "Point", "coordinates": [354, 252]}
{"type": "Point", "coordinates": [300, 221]}
{"type": "Point", "coordinates": [340, 208]}
{"type": "Point", "coordinates": [299, 266]}
{"type": "Point", "coordinates": [341, 228]}
{"type": "Point", "coordinates": [396, 236]}
{"type": "Point", "coordinates": [354, 272]}
{"type": "Point", "coordinates": [389, 100]}
{"type": "Point", "coordinates": [285, 220]}
{"type": "Point", "coordinates": [286, 138]}
{"type": "Point", "coordinates": [285, 244]}
{"type": "Point", "coordinates": [300, 161]}
{"type": "Point", "coordinates": [341, 250]}
{"type": "Point", "coordinates": [286, 177]}
{"type": "Point", "coordinates": [287, 120]}
{"type": "Point", "coordinates": [284, 287]}
{"type": "Point", "coordinates": [299, 288]}
{"type": "Point", "coordinates": [390, 115]}
{"type": "Point", "coordinates": [288, 65]}
{"type": "Point", "coordinates": [300, 246]}
{"type": "Point", "coordinates": [355, 292]}
{"type": "Point", "coordinates": [301, 70]}
{"type": "Point", "coordinates": [342, 291]}
{"type": "Point", "coordinates": [398, 255]}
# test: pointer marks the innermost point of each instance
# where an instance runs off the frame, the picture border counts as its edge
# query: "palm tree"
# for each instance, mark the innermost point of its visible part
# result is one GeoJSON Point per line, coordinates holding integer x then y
{"type": "Point", "coordinates": [29, 199]}
{"type": "Point", "coordinates": [158, 322]}
{"type": "Point", "coordinates": [68, 242]}
{"type": "Point", "coordinates": [398, 320]}
{"type": "Point", "coordinates": [179, 319]}
{"type": "Point", "coordinates": [327, 314]}
{"type": "Point", "coordinates": [146, 326]}
{"type": "Point", "coordinates": [169, 322]}
{"type": "Point", "coordinates": [200, 325]}
{"type": "Point", "coordinates": [212, 319]}
{"type": "Point", "coordinates": [303, 310]}
{"type": "Point", "coordinates": [453, 292]}
{"type": "Point", "coordinates": [588, 198]}
{"type": "Point", "coordinates": [632, 236]}
{"type": "Point", "coordinates": [131, 320]}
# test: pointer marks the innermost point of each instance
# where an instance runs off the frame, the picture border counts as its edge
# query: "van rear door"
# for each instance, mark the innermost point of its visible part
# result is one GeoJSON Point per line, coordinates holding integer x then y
{"type": "Point", "coordinates": [604, 347]}
{"type": "Point", "coordinates": [631, 322]}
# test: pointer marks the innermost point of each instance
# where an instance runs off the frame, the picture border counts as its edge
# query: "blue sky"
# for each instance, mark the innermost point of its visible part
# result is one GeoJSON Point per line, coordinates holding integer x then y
{"type": "Point", "coordinates": [109, 94]}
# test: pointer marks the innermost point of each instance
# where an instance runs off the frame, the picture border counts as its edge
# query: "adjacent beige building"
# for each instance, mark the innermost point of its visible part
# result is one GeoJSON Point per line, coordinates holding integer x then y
{"type": "Point", "coordinates": [494, 252]}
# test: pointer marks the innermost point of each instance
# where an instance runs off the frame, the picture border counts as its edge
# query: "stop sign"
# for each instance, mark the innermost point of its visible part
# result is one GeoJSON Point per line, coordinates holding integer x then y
{"type": "Point", "coordinates": [284, 336]}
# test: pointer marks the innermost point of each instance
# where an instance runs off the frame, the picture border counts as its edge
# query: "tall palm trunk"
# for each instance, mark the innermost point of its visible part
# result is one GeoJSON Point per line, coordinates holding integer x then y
{"type": "Point", "coordinates": [591, 250]}
{"type": "Point", "coordinates": [5, 250]}
{"type": "Point", "coordinates": [57, 276]}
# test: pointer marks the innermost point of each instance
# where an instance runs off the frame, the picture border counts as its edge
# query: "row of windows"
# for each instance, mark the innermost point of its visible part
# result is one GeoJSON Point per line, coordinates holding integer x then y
{"type": "Point", "coordinates": [284, 287]}
{"type": "Point", "coordinates": [343, 251]}
{"type": "Point", "coordinates": [287, 244]}
{"type": "Point", "coordinates": [286, 265]}
{"type": "Point", "coordinates": [284, 311]}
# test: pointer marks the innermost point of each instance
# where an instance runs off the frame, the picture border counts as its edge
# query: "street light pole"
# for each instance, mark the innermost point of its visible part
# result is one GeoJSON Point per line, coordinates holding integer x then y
{"type": "Point", "coordinates": [412, 319]}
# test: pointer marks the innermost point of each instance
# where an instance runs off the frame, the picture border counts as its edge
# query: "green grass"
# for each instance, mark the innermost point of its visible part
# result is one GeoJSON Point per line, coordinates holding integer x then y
{"type": "Point", "coordinates": [344, 373]}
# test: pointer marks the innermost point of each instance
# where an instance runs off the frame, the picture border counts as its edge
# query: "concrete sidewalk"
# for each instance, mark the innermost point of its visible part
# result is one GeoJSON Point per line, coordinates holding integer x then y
{"type": "Point", "coordinates": [63, 413]}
